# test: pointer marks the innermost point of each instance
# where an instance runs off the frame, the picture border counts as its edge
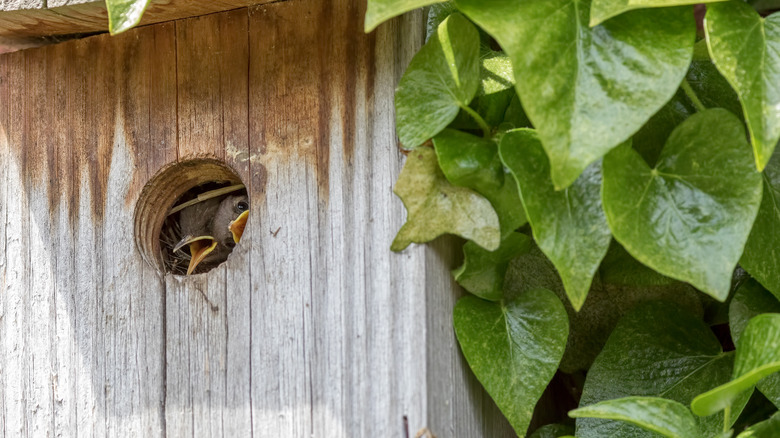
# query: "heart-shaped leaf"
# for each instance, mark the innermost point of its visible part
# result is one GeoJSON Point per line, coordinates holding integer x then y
{"type": "Point", "coordinates": [762, 252]}
{"type": "Point", "coordinates": [656, 350]}
{"type": "Point", "coordinates": [587, 89]}
{"type": "Point", "coordinates": [688, 217]}
{"type": "Point", "coordinates": [379, 11]}
{"type": "Point", "coordinates": [658, 415]}
{"type": "Point", "coordinates": [513, 348]}
{"type": "Point", "coordinates": [442, 78]}
{"type": "Point", "coordinates": [124, 14]}
{"type": "Point", "coordinates": [568, 225]}
{"type": "Point", "coordinates": [618, 267]}
{"type": "Point", "coordinates": [473, 162]}
{"type": "Point", "coordinates": [751, 300]}
{"type": "Point", "coordinates": [482, 272]}
{"type": "Point", "coordinates": [765, 429]}
{"type": "Point", "coordinates": [758, 356]}
{"type": "Point", "coordinates": [602, 10]}
{"type": "Point", "coordinates": [436, 207]}
{"type": "Point", "coordinates": [732, 27]}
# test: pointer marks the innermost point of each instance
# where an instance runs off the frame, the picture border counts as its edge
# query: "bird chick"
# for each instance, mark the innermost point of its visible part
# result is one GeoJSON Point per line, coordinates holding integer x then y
{"type": "Point", "coordinates": [212, 228]}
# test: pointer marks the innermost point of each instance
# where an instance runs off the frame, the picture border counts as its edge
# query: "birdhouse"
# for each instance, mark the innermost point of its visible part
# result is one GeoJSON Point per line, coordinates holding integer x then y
{"type": "Point", "coordinates": [307, 325]}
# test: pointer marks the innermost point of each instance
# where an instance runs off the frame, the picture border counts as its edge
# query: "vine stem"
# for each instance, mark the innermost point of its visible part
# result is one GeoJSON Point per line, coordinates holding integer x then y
{"type": "Point", "coordinates": [480, 121]}
{"type": "Point", "coordinates": [692, 95]}
{"type": "Point", "coordinates": [726, 418]}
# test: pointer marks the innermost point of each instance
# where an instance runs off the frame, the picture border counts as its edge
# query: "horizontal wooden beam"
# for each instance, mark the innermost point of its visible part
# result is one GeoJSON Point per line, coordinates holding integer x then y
{"type": "Point", "coordinates": [26, 21]}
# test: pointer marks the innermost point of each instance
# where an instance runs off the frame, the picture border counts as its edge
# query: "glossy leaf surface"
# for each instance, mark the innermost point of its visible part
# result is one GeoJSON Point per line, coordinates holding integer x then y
{"type": "Point", "coordinates": [758, 356]}
{"type": "Point", "coordinates": [762, 252]}
{"type": "Point", "coordinates": [618, 267]}
{"type": "Point", "coordinates": [575, 81]}
{"type": "Point", "coordinates": [482, 272]}
{"type": "Point", "coordinates": [124, 14]}
{"type": "Point", "coordinates": [568, 225]}
{"type": "Point", "coordinates": [474, 162]}
{"type": "Point", "coordinates": [379, 11]}
{"type": "Point", "coordinates": [442, 78]}
{"type": "Point", "coordinates": [746, 49]}
{"type": "Point", "coordinates": [656, 350]}
{"type": "Point", "coordinates": [752, 300]}
{"type": "Point", "coordinates": [436, 207]}
{"type": "Point", "coordinates": [688, 217]}
{"type": "Point", "coordinates": [513, 348]}
{"type": "Point", "coordinates": [659, 415]}
{"type": "Point", "coordinates": [602, 10]}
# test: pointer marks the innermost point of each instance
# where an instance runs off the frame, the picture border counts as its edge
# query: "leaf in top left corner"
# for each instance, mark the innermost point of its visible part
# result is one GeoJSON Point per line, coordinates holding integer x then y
{"type": "Point", "coordinates": [442, 78]}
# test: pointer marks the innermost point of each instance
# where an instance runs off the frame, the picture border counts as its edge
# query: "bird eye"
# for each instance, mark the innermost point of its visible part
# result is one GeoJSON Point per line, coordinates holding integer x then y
{"type": "Point", "coordinates": [242, 206]}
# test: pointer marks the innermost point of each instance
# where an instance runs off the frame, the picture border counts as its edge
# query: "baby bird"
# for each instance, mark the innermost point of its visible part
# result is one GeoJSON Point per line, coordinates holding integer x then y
{"type": "Point", "coordinates": [212, 228]}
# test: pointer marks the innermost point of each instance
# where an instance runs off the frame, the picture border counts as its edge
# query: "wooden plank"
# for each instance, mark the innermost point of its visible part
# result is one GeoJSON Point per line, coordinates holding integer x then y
{"type": "Point", "coordinates": [62, 17]}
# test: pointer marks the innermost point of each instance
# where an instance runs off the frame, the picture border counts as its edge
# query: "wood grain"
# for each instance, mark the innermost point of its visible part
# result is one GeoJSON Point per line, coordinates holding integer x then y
{"type": "Point", "coordinates": [312, 327]}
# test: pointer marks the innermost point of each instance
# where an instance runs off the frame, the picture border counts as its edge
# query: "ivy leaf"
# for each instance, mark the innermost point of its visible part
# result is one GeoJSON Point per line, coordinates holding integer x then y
{"type": "Point", "coordinates": [755, 74]}
{"type": "Point", "coordinates": [442, 78]}
{"type": "Point", "coordinates": [437, 13]}
{"type": "Point", "coordinates": [602, 10]}
{"type": "Point", "coordinates": [473, 162]}
{"type": "Point", "coordinates": [751, 300]}
{"type": "Point", "coordinates": [575, 81]}
{"type": "Point", "coordinates": [482, 272]}
{"type": "Point", "coordinates": [761, 258]}
{"type": "Point", "coordinates": [494, 95]}
{"type": "Point", "coordinates": [758, 355]}
{"type": "Point", "coordinates": [379, 11]}
{"type": "Point", "coordinates": [513, 348]}
{"type": "Point", "coordinates": [765, 429]}
{"type": "Point", "coordinates": [124, 14]}
{"type": "Point", "coordinates": [568, 225]}
{"type": "Point", "coordinates": [659, 415]}
{"type": "Point", "coordinates": [553, 431]}
{"type": "Point", "coordinates": [436, 207]}
{"type": "Point", "coordinates": [688, 217]}
{"type": "Point", "coordinates": [656, 350]}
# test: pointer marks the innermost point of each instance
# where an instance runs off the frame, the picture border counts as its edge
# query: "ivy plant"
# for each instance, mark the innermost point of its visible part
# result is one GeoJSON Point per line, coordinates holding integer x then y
{"type": "Point", "coordinates": [610, 167]}
{"type": "Point", "coordinates": [124, 14]}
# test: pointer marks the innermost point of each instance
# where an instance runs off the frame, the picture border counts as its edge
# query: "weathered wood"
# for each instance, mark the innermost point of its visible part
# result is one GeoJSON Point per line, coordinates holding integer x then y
{"type": "Point", "coordinates": [35, 18]}
{"type": "Point", "coordinates": [312, 327]}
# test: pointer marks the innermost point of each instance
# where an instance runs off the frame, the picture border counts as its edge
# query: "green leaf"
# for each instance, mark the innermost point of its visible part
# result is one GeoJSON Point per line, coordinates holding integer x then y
{"type": "Point", "coordinates": [124, 14]}
{"type": "Point", "coordinates": [495, 93]}
{"type": "Point", "coordinates": [602, 10]}
{"type": "Point", "coordinates": [618, 267]}
{"type": "Point", "coordinates": [436, 207]}
{"type": "Point", "coordinates": [553, 431]}
{"type": "Point", "coordinates": [761, 258]}
{"type": "Point", "coordinates": [758, 355]}
{"type": "Point", "coordinates": [437, 13]}
{"type": "Point", "coordinates": [513, 348]}
{"type": "Point", "coordinates": [575, 81]}
{"type": "Point", "coordinates": [473, 162]}
{"type": "Point", "coordinates": [688, 217]}
{"type": "Point", "coordinates": [712, 88]}
{"type": "Point", "coordinates": [659, 415]}
{"type": "Point", "coordinates": [442, 78]}
{"type": "Point", "coordinates": [568, 225]}
{"type": "Point", "coordinates": [765, 429]}
{"type": "Point", "coordinates": [379, 11]}
{"type": "Point", "coordinates": [482, 272]}
{"type": "Point", "coordinates": [656, 350]}
{"type": "Point", "coordinates": [751, 300]}
{"type": "Point", "coordinates": [746, 50]}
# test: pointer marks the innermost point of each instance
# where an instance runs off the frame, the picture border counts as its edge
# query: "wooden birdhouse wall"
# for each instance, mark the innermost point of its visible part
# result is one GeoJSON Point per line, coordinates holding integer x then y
{"type": "Point", "coordinates": [312, 327]}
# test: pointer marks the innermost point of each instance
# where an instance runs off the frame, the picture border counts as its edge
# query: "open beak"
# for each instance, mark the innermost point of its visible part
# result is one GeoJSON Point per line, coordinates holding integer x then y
{"type": "Point", "coordinates": [237, 226]}
{"type": "Point", "coordinates": [200, 247]}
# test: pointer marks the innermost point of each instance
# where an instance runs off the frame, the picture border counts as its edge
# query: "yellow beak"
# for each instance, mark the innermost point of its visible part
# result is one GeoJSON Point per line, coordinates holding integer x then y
{"type": "Point", "coordinates": [237, 226]}
{"type": "Point", "coordinates": [200, 247]}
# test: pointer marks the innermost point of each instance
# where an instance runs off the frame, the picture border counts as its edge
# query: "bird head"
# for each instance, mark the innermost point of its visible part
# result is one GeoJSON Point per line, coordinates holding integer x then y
{"type": "Point", "coordinates": [212, 228]}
